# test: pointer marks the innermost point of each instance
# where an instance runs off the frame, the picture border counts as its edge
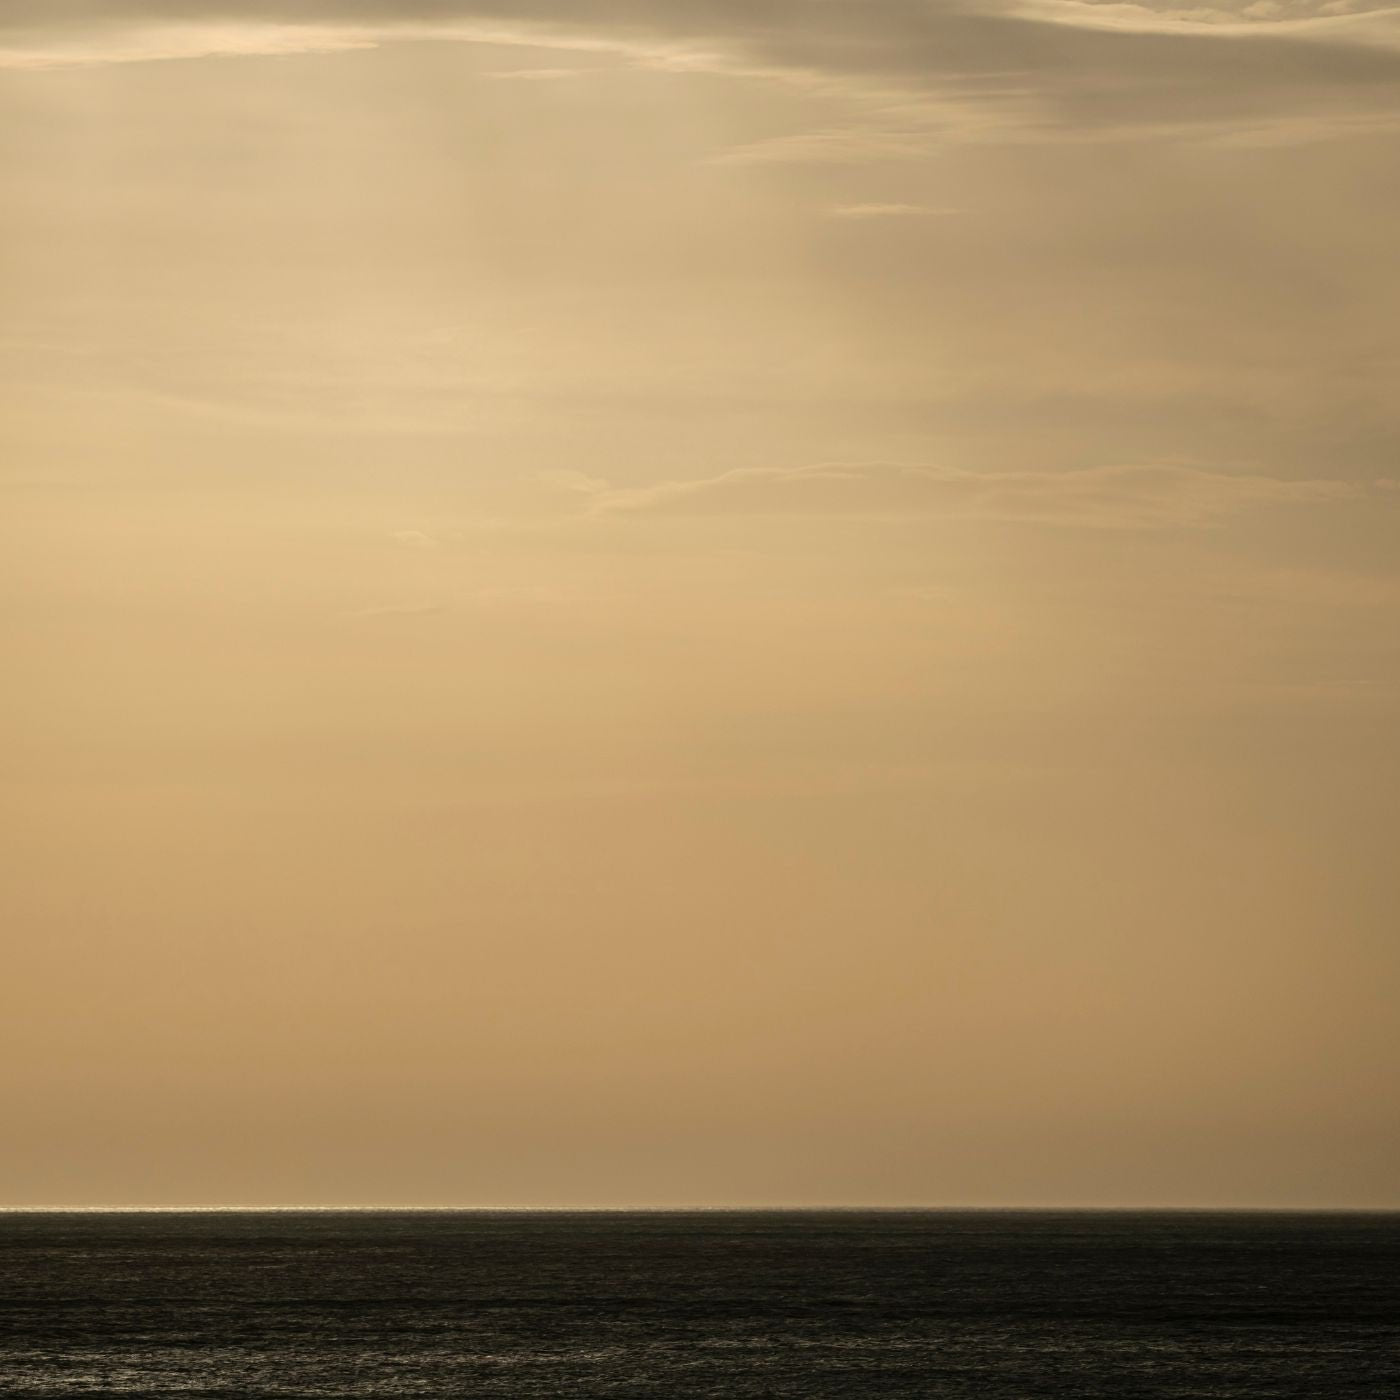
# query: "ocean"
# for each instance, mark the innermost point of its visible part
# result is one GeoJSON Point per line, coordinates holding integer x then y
{"type": "Point", "coordinates": [968, 1305]}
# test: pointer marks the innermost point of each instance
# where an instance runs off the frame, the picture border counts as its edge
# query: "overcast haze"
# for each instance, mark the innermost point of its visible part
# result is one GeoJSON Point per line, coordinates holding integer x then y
{"type": "Point", "coordinates": [673, 603]}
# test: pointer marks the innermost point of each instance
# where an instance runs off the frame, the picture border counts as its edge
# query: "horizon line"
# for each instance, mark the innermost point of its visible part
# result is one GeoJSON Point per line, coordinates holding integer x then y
{"type": "Point", "coordinates": [847, 1208]}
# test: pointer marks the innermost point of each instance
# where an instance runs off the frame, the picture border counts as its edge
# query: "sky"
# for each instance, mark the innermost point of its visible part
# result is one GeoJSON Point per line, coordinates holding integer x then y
{"type": "Point", "coordinates": [719, 602]}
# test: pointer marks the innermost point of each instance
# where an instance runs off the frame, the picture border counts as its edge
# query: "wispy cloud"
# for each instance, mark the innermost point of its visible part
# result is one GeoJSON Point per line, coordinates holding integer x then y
{"type": "Point", "coordinates": [852, 145]}
{"type": "Point", "coordinates": [884, 211]}
{"type": "Point", "coordinates": [1274, 19]}
{"type": "Point", "coordinates": [534, 75]}
{"type": "Point", "coordinates": [1127, 497]}
{"type": "Point", "coordinates": [195, 37]}
{"type": "Point", "coordinates": [574, 481]}
{"type": "Point", "coordinates": [912, 75]}
{"type": "Point", "coordinates": [414, 539]}
{"type": "Point", "coordinates": [396, 610]}
{"type": "Point", "coordinates": [168, 43]}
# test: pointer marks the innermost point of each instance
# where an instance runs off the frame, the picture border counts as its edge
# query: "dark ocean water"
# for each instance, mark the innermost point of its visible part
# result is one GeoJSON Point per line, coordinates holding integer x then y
{"type": "Point", "coordinates": [941, 1304]}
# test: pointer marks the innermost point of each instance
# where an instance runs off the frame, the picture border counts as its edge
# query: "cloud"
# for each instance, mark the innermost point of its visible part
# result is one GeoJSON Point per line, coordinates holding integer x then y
{"type": "Point", "coordinates": [573, 481]}
{"type": "Point", "coordinates": [1128, 497]}
{"type": "Point", "coordinates": [414, 539]}
{"type": "Point", "coordinates": [397, 610]}
{"type": "Point", "coordinates": [166, 43]}
{"type": "Point", "coordinates": [912, 75]}
{"type": "Point", "coordinates": [156, 32]}
{"type": "Point", "coordinates": [1273, 19]}
{"type": "Point", "coordinates": [883, 211]}
{"type": "Point", "coordinates": [534, 75]}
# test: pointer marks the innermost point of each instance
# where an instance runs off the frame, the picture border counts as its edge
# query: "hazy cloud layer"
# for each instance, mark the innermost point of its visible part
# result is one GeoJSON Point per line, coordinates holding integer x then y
{"type": "Point", "coordinates": [914, 74]}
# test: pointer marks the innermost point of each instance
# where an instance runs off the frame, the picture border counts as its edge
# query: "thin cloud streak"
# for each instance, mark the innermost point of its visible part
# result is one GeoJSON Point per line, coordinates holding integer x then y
{"type": "Point", "coordinates": [860, 212]}
{"type": "Point", "coordinates": [1130, 497]}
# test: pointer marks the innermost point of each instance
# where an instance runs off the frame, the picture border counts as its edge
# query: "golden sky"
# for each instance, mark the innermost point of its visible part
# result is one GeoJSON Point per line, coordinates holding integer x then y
{"type": "Point", "coordinates": [676, 602]}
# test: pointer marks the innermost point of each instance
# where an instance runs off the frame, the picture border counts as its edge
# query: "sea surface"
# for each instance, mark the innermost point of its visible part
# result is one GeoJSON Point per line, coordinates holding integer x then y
{"type": "Point", "coordinates": [974, 1304]}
